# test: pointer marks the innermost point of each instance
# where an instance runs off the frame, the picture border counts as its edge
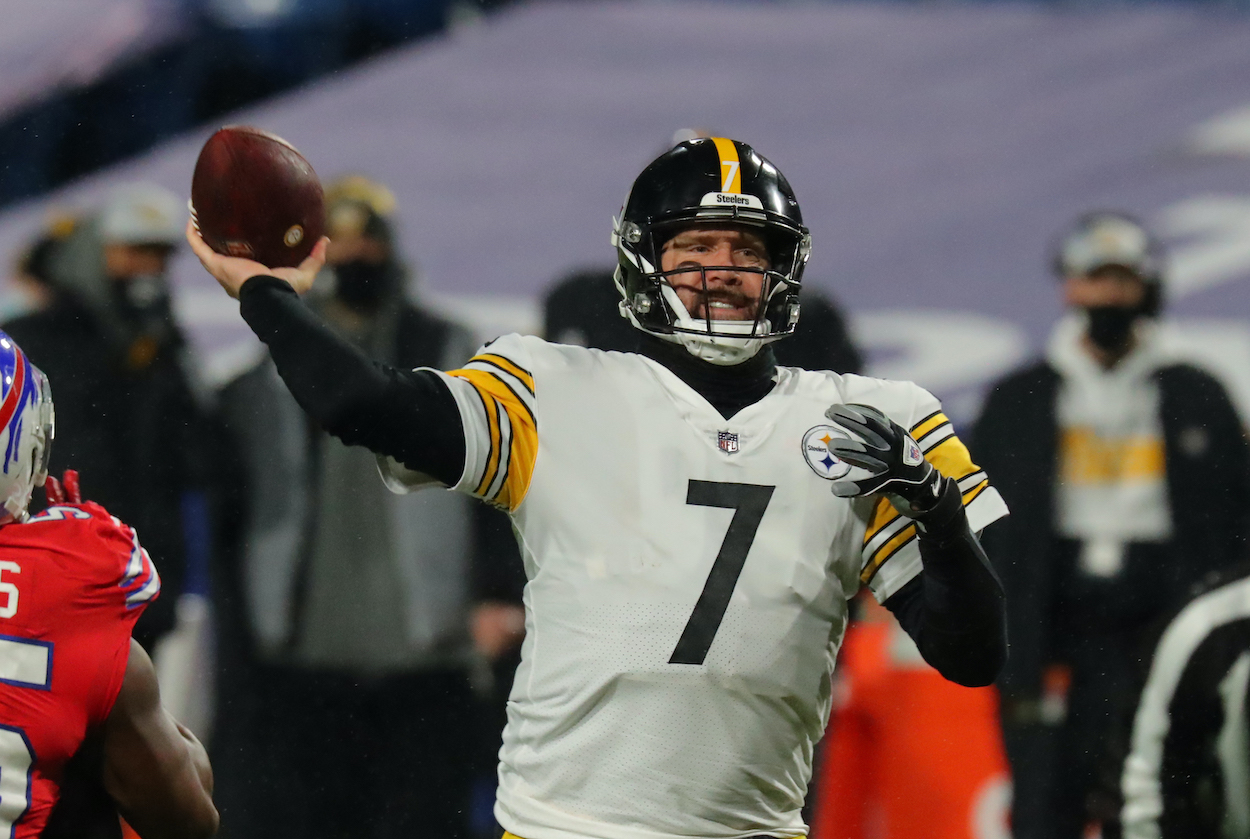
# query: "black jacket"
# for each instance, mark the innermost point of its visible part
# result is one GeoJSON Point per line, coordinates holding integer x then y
{"type": "Point", "coordinates": [127, 420]}
{"type": "Point", "coordinates": [1208, 482]}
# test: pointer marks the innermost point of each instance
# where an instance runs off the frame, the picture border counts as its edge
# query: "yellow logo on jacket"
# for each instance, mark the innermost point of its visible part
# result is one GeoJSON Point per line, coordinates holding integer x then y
{"type": "Point", "coordinates": [1086, 458]}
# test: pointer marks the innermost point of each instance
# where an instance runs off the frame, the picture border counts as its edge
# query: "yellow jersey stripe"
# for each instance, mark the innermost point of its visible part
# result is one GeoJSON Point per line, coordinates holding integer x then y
{"type": "Point", "coordinates": [889, 549]}
{"type": "Point", "coordinates": [952, 459]}
{"type": "Point", "coordinates": [508, 366]}
{"type": "Point", "coordinates": [522, 454]}
{"type": "Point", "coordinates": [522, 402]}
{"type": "Point", "coordinates": [505, 458]}
{"type": "Point", "coordinates": [522, 449]}
{"type": "Point", "coordinates": [902, 538]}
{"type": "Point", "coordinates": [492, 462]}
{"type": "Point", "coordinates": [928, 424]}
{"type": "Point", "coordinates": [971, 494]}
{"type": "Point", "coordinates": [883, 515]}
{"type": "Point", "coordinates": [730, 166]}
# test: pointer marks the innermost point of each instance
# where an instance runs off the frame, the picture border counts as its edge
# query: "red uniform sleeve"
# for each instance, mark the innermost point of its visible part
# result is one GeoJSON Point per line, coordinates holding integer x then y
{"type": "Point", "coordinates": [73, 581]}
{"type": "Point", "coordinates": [107, 579]}
{"type": "Point", "coordinates": [124, 597]}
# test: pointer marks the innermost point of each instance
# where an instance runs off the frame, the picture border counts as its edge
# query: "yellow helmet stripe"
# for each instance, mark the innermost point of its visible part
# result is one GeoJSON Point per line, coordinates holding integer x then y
{"type": "Point", "coordinates": [730, 176]}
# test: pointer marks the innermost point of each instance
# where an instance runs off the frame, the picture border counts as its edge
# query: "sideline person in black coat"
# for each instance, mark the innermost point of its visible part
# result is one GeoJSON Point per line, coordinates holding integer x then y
{"type": "Point", "coordinates": [1128, 476]}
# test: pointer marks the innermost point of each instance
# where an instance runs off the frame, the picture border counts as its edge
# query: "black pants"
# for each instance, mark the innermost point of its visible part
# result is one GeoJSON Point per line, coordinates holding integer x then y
{"type": "Point", "coordinates": [1059, 771]}
{"type": "Point", "coordinates": [327, 756]}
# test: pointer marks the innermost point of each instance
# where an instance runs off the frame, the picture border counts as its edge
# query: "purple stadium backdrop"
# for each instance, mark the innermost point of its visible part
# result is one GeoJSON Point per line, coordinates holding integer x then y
{"type": "Point", "coordinates": [935, 150]}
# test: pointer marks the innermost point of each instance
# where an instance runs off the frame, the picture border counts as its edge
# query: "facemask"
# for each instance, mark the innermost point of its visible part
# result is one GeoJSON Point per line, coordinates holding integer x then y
{"type": "Point", "coordinates": [1110, 327]}
{"type": "Point", "coordinates": [363, 285]}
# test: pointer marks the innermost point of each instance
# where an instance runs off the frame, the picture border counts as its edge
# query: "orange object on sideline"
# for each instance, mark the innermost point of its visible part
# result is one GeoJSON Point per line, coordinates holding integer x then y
{"type": "Point", "coordinates": [908, 755]}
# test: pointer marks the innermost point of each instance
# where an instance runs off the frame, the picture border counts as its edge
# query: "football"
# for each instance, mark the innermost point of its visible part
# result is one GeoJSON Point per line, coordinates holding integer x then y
{"type": "Point", "coordinates": [253, 195]}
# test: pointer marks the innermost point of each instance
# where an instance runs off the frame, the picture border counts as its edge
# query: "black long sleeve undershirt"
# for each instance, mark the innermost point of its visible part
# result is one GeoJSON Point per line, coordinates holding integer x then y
{"type": "Point", "coordinates": [953, 609]}
{"type": "Point", "coordinates": [409, 415]}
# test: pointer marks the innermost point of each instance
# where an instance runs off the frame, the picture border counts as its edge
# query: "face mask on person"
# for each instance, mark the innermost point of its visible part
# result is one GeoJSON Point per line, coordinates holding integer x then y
{"type": "Point", "coordinates": [142, 298]}
{"type": "Point", "coordinates": [1111, 327]}
{"type": "Point", "coordinates": [361, 284]}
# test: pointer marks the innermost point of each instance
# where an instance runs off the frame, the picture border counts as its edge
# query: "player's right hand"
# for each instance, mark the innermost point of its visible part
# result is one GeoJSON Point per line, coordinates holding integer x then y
{"type": "Point", "coordinates": [231, 272]}
{"type": "Point", "coordinates": [64, 491]}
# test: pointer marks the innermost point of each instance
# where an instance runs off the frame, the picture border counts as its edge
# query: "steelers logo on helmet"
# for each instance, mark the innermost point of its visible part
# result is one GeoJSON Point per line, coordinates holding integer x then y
{"type": "Point", "coordinates": [816, 452]}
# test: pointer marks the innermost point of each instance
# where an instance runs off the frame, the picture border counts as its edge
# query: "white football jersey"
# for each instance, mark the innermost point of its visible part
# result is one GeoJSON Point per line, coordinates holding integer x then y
{"type": "Point", "coordinates": [688, 583]}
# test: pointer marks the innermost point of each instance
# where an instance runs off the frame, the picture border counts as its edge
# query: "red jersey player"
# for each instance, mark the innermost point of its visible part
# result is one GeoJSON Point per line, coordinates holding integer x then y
{"type": "Point", "coordinates": [73, 581]}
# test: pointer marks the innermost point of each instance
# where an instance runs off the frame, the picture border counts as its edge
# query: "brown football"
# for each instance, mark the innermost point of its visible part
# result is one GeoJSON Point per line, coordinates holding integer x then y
{"type": "Point", "coordinates": [254, 195]}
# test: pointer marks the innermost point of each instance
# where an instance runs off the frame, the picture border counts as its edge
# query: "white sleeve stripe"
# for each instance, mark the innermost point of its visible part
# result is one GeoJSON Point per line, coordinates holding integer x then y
{"type": "Point", "coordinates": [476, 431]}
{"type": "Point", "coordinates": [987, 508]}
{"type": "Point", "coordinates": [936, 436]}
{"type": "Point", "coordinates": [970, 481]}
{"type": "Point", "coordinates": [134, 567]}
{"type": "Point", "coordinates": [149, 589]}
{"type": "Point", "coordinates": [505, 453]}
{"type": "Point", "coordinates": [490, 447]}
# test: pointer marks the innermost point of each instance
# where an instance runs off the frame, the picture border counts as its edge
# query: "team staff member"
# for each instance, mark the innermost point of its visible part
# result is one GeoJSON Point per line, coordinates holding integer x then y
{"type": "Point", "coordinates": [73, 581]}
{"type": "Point", "coordinates": [359, 622]}
{"type": "Point", "coordinates": [689, 566]}
{"type": "Point", "coordinates": [1130, 476]}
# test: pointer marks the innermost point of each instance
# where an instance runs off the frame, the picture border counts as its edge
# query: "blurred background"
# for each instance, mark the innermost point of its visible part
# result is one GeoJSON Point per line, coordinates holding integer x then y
{"type": "Point", "coordinates": [936, 149]}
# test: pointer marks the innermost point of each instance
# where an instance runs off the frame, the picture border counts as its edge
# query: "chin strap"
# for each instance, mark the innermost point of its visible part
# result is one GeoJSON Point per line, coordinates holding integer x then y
{"type": "Point", "coordinates": [722, 350]}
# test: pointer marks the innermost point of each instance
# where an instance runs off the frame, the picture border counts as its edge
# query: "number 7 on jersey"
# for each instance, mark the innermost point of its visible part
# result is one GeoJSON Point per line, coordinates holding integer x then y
{"type": "Point", "coordinates": [748, 501]}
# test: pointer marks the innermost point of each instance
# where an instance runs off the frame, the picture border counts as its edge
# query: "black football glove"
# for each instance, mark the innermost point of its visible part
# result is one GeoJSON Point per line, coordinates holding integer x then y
{"type": "Point", "coordinates": [899, 469]}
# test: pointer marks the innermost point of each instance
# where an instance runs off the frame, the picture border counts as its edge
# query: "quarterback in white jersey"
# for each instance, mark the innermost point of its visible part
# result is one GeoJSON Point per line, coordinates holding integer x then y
{"type": "Point", "coordinates": [693, 518]}
{"type": "Point", "coordinates": [688, 583]}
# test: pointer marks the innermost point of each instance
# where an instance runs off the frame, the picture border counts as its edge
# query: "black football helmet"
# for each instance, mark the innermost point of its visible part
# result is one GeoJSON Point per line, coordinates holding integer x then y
{"type": "Point", "coordinates": [710, 182]}
{"type": "Point", "coordinates": [1107, 237]}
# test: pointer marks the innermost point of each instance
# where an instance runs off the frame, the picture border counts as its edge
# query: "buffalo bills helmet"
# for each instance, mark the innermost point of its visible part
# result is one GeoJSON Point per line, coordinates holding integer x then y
{"type": "Point", "coordinates": [26, 429]}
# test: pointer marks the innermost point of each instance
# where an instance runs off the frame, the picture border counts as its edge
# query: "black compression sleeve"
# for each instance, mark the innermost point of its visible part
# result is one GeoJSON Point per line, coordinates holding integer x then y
{"type": "Point", "coordinates": [954, 609]}
{"type": "Point", "coordinates": [409, 415]}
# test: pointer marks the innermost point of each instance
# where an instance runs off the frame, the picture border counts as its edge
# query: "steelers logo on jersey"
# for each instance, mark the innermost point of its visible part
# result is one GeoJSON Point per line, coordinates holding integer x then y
{"type": "Point", "coordinates": [816, 452]}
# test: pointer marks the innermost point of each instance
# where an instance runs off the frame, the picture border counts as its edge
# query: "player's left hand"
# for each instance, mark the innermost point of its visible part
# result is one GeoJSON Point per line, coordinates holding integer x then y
{"type": "Point", "coordinates": [884, 448]}
{"type": "Point", "coordinates": [231, 272]}
{"type": "Point", "coordinates": [64, 491]}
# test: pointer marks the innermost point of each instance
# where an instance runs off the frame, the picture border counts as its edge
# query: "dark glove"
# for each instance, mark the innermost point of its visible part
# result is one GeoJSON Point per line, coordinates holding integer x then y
{"type": "Point", "coordinates": [64, 491]}
{"type": "Point", "coordinates": [885, 449]}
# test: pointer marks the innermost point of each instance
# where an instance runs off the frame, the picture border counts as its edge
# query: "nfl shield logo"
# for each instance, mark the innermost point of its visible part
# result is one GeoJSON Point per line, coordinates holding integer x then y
{"type": "Point", "coordinates": [727, 441]}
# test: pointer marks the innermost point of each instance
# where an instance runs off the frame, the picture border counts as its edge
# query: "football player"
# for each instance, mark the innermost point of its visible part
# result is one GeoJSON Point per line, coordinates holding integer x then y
{"type": "Point", "coordinates": [693, 518]}
{"type": "Point", "coordinates": [73, 581]}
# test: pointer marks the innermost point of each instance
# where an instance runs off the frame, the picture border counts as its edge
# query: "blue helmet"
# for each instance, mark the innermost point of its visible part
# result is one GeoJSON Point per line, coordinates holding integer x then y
{"type": "Point", "coordinates": [26, 429]}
